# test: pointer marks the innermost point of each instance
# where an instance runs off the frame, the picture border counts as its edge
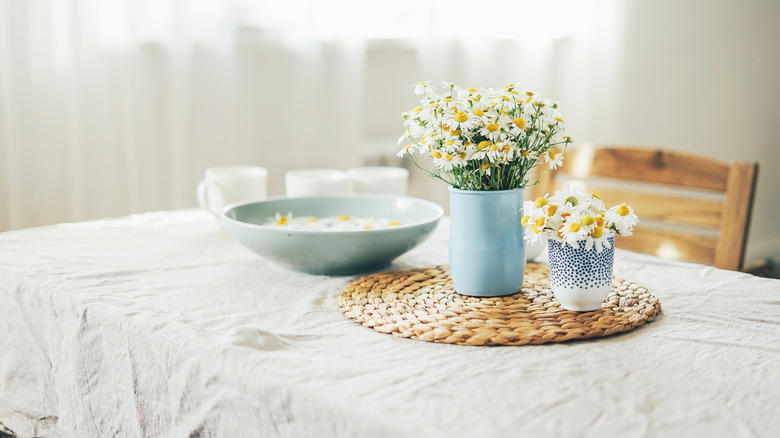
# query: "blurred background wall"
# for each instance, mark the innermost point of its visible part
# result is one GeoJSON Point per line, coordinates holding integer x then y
{"type": "Point", "coordinates": [116, 107]}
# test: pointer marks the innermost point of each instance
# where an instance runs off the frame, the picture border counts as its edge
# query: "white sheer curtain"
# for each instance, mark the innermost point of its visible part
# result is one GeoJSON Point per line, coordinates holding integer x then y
{"type": "Point", "coordinates": [112, 107]}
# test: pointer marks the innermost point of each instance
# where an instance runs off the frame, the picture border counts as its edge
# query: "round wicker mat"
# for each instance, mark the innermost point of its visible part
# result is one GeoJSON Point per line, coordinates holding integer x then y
{"type": "Point", "coordinates": [422, 304]}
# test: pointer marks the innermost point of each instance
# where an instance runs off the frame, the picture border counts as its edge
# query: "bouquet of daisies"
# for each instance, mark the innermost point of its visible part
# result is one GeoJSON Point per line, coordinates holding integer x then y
{"type": "Point", "coordinates": [572, 215]}
{"type": "Point", "coordinates": [487, 139]}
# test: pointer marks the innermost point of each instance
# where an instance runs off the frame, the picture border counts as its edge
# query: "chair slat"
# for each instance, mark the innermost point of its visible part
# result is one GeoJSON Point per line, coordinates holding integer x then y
{"type": "Point", "coordinates": [670, 244]}
{"type": "Point", "coordinates": [657, 166]}
{"type": "Point", "coordinates": [684, 210]}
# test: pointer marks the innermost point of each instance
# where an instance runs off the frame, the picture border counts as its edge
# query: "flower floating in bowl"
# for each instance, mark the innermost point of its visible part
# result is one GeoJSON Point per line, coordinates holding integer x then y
{"type": "Point", "coordinates": [581, 236]}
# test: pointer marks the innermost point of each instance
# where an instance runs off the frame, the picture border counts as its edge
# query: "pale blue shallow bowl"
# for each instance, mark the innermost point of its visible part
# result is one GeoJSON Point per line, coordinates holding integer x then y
{"type": "Point", "coordinates": [332, 252]}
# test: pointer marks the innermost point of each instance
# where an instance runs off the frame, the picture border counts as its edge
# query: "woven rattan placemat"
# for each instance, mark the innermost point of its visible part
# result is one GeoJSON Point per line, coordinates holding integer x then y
{"type": "Point", "coordinates": [422, 304]}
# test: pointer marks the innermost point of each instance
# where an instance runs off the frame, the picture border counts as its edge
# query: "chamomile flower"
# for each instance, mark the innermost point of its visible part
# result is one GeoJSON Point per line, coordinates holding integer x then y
{"type": "Point", "coordinates": [421, 88]}
{"type": "Point", "coordinates": [572, 231]}
{"type": "Point", "coordinates": [443, 160]}
{"type": "Point", "coordinates": [537, 207]}
{"type": "Point", "coordinates": [599, 239]}
{"type": "Point", "coordinates": [621, 219]}
{"type": "Point", "coordinates": [553, 159]}
{"type": "Point", "coordinates": [571, 194]}
{"type": "Point", "coordinates": [460, 120]}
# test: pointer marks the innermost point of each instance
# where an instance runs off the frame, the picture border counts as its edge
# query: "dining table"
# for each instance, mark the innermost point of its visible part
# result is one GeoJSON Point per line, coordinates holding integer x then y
{"type": "Point", "coordinates": [159, 324]}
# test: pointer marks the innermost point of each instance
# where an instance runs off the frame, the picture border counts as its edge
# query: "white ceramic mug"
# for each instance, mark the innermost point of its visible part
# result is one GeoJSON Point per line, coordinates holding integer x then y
{"type": "Point", "coordinates": [378, 179]}
{"type": "Point", "coordinates": [315, 182]}
{"type": "Point", "coordinates": [223, 185]}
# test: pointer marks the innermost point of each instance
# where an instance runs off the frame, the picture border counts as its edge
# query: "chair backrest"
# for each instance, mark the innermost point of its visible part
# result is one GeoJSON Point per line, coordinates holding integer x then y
{"type": "Point", "coordinates": [690, 207]}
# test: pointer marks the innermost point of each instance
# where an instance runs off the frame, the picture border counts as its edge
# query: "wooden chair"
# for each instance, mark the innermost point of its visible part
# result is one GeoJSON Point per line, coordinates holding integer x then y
{"type": "Point", "coordinates": [690, 207]}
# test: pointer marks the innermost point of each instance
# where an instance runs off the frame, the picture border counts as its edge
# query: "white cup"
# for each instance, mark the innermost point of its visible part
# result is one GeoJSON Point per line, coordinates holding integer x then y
{"type": "Point", "coordinates": [223, 185]}
{"type": "Point", "coordinates": [315, 182]}
{"type": "Point", "coordinates": [378, 179]}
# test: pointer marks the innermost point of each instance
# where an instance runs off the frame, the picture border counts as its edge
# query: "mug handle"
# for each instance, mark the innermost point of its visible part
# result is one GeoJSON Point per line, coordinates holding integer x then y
{"type": "Point", "coordinates": [203, 197]}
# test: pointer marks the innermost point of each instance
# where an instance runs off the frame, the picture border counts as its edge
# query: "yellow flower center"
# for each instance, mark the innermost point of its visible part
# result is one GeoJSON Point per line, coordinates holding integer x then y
{"type": "Point", "coordinates": [450, 142]}
{"type": "Point", "coordinates": [539, 221]}
{"type": "Point", "coordinates": [572, 200]}
{"type": "Point", "coordinates": [524, 220]}
{"type": "Point", "coordinates": [462, 155]}
{"type": "Point", "coordinates": [485, 166]}
{"type": "Point", "coordinates": [551, 154]}
{"type": "Point", "coordinates": [343, 218]}
{"type": "Point", "coordinates": [525, 153]}
{"type": "Point", "coordinates": [559, 119]}
{"type": "Point", "coordinates": [461, 117]}
{"type": "Point", "coordinates": [472, 90]}
{"type": "Point", "coordinates": [551, 210]}
{"type": "Point", "coordinates": [597, 232]}
{"type": "Point", "coordinates": [540, 202]}
{"type": "Point", "coordinates": [418, 109]}
{"type": "Point", "coordinates": [519, 122]}
{"type": "Point", "coordinates": [448, 157]}
{"type": "Point", "coordinates": [393, 223]}
{"type": "Point", "coordinates": [282, 221]}
{"type": "Point", "coordinates": [494, 147]}
{"type": "Point", "coordinates": [479, 112]}
{"type": "Point", "coordinates": [599, 221]}
{"type": "Point", "coordinates": [623, 210]}
{"type": "Point", "coordinates": [595, 195]}
{"type": "Point", "coordinates": [587, 221]}
{"type": "Point", "coordinates": [574, 227]}
{"type": "Point", "coordinates": [483, 144]}
{"type": "Point", "coordinates": [436, 154]}
{"type": "Point", "coordinates": [455, 132]}
{"type": "Point", "coordinates": [492, 127]}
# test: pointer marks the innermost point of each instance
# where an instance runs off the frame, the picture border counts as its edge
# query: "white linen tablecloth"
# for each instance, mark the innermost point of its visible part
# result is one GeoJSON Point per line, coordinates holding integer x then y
{"type": "Point", "coordinates": [160, 325]}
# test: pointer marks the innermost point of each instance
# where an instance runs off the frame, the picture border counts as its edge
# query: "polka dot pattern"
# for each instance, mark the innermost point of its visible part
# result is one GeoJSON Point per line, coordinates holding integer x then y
{"type": "Point", "coordinates": [578, 268]}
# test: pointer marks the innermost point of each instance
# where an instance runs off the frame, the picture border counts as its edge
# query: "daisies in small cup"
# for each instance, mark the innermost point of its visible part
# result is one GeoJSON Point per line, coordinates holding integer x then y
{"type": "Point", "coordinates": [572, 215]}
{"type": "Point", "coordinates": [487, 139]}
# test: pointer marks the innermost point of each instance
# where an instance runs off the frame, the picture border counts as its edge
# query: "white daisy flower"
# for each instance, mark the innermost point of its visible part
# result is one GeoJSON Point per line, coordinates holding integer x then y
{"type": "Point", "coordinates": [553, 159]}
{"type": "Point", "coordinates": [443, 160]}
{"type": "Point", "coordinates": [571, 194]}
{"type": "Point", "coordinates": [460, 120]}
{"type": "Point", "coordinates": [491, 131]}
{"type": "Point", "coordinates": [572, 231]}
{"type": "Point", "coordinates": [595, 202]}
{"type": "Point", "coordinates": [421, 88]}
{"type": "Point", "coordinates": [601, 242]}
{"type": "Point", "coordinates": [621, 219]}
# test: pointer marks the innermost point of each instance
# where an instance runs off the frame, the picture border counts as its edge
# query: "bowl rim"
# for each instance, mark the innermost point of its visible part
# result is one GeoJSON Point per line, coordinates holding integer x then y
{"type": "Point", "coordinates": [433, 219]}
